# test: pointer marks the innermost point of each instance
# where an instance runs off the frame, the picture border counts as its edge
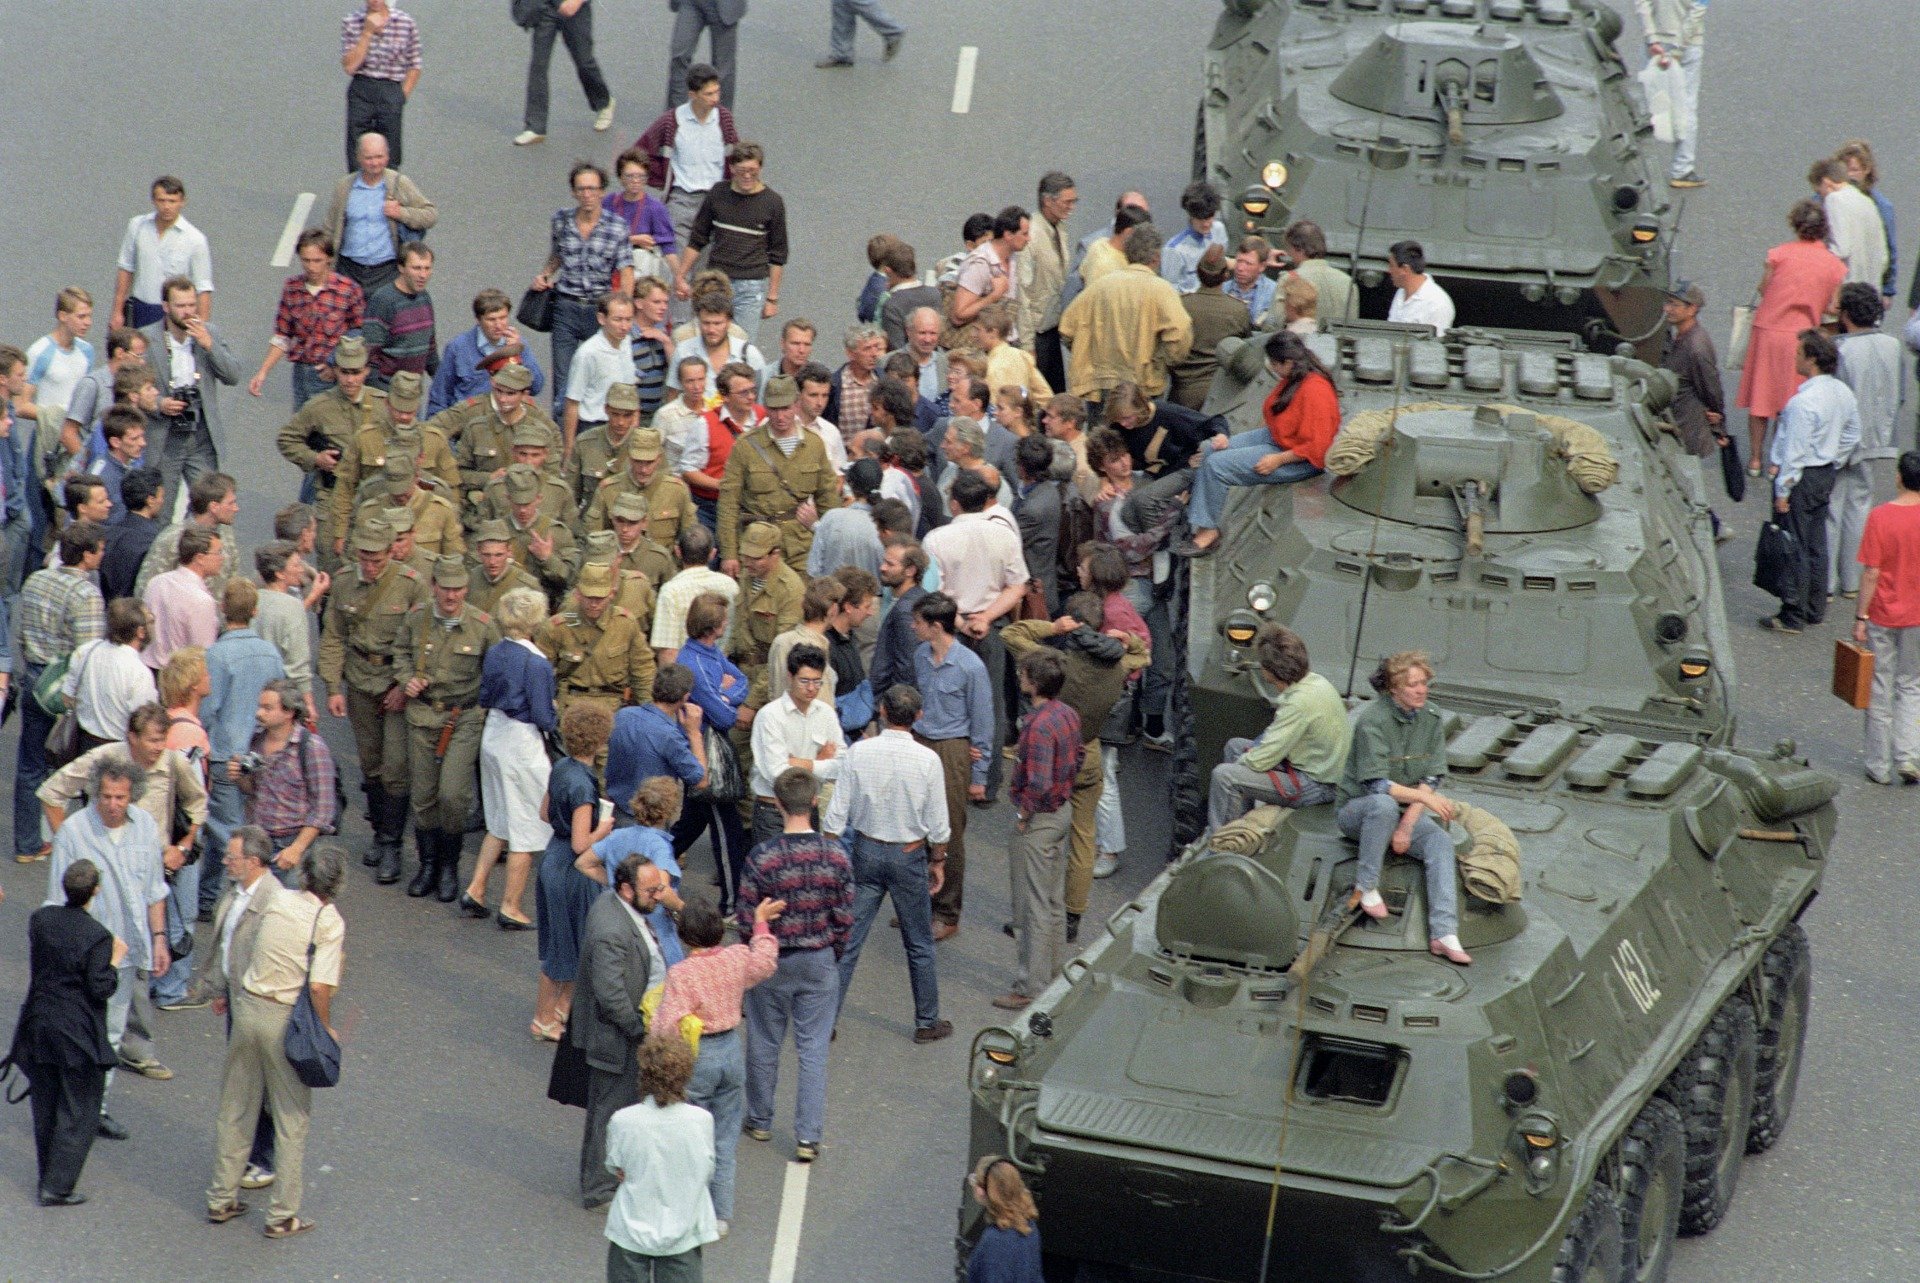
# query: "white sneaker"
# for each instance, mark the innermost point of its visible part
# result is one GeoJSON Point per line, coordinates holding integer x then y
{"type": "Point", "coordinates": [603, 120]}
{"type": "Point", "coordinates": [527, 137]}
{"type": "Point", "coordinates": [722, 1227]}
{"type": "Point", "coordinates": [1106, 864]}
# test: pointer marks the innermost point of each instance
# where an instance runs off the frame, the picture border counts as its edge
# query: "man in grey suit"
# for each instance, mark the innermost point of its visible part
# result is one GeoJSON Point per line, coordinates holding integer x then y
{"type": "Point", "coordinates": [236, 925]}
{"type": "Point", "coordinates": [1037, 510]}
{"type": "Point", "coordinates": [720, 18]}
{"type": "Point", "coordinates": [619, 958]}
{"type": "Point", "coordinates": [187, 356]}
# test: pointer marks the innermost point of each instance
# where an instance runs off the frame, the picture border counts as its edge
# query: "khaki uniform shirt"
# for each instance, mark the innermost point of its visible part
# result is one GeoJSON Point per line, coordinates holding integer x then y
{"type": "Point", "coordinates": [765, 609]}
{"type": "Point", "coordinates": [595, 458]}
{"type": "Point", "coordinates": [362, 620]}
{"type": "Point", "coordinates": [651, 560]}
{"type": "Point", "coordinates": [556, 571]}
{"type": "Point", "coordinates": [556, 504]}
{"type": "Point", "coordinates": [669, 505]}
{"type": "Point", "coordinates": [483, 444]}
{"type": "Point", "coordinates": [608, 656]}
{"type": "Point", "coordinates": [485, 594]}
{"type": "Point", "coordinates": [337, 418]}
{"type": "Point", "coordinates": [366, 454]}
{"type": "Point", "coordinates": [449, 658]}
{"type": "Point", "coordinates": [763, 484]}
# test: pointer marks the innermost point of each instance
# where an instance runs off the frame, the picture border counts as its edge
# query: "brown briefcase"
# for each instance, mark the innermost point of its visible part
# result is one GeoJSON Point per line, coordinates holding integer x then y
{"type": "Point", "coordinates": [1852, 673]}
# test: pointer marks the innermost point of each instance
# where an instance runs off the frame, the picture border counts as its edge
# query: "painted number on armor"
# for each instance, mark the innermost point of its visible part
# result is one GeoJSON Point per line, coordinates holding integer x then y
{"type": "Point", "coordinates": [1635, 975]}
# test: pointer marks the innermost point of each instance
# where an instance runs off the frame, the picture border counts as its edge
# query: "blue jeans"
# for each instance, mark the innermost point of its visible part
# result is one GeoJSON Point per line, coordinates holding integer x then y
{"type": "Point", "coordinates": [1372, 818]}
{"type": "Point", "coordinates": [183, 902]}
{"type": "Point", "coordinates": [307, 384]}
{"type": "Point", "coordinates": [574, 322]}
{"type": "Point", "coordinates": [1688, 139]}
{"type": "Point", "coordinates": [719, 1086]}
{"type": "Point", "coordinates": [803, 994]}
{"type": "Point", "coordinates": [882, 869]}
{"type": "Point", "coordinates": [840, 42]}
{"type": "Point", "coordinates": [30, 768]}
{"type": "Point", "coordinates": [748, 298]}
{"type": "Point", "coordinates": [226, 811]}
{"type": "Point", "coordinates": [1233, 466]}
{"type": "Point", "coordinates": [1158, 678]}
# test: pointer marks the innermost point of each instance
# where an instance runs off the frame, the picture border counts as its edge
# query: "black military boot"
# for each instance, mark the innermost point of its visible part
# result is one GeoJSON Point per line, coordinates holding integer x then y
{"type": "Point", "coordinates": [376, 808]}
{"type": "Point", "coordinates": [426, 842]}
{"type": "Point", "coordinates": [450, 844]}
{"type": "Point", "coordinates": [388, 830]}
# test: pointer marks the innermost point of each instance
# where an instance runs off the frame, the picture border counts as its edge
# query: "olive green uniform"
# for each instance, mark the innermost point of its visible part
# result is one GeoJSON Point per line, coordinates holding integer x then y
{"type": "Point", "coordinates": [595, 458]}
{"type": "Point", "coordinates": [763, 484]}
{"type": "Point", "coordinates": [651, 560]}
{"type": "Point", "coordinates": [556, 571]}
{"type": "Point", "coordinates": [485, 594]}
{"type": "Point", "coordinates": [357, 632]}
{"type": "Point", "coordinates": [605, 661]}
{"type": "Point", "coordinates": [332, 417]}
{"type": "Point", "coordinates": [766, 608]}
{"type": "Point", "coordinates": [556, 504]}
{"type": "Point", "coordinates": [483, 444]}
{"type": "Point", "coordinates": [443, 780]}
{"type": "Point", "coordinates": [366, 454]}
{"type": "Point", "coordinates": [669, 504]}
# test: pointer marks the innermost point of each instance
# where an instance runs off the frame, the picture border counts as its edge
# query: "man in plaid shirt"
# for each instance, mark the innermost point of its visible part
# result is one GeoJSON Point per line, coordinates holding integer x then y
{"type": "Point", "coordinates": [380, 50]}
{"type": "Point", "coordinates": [59, 610]}
{"type": "Point", "coordinates": [1047, 761]}
{"type": "Point", "coordinates": [317, 309]}
{"type": "Point", "coordinates": [288, 776]}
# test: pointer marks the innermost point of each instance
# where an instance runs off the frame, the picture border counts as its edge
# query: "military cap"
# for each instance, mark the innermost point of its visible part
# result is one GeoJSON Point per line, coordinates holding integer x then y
{"type": "Point", "coordinates": [372, 535]}
{"type": "Point", "coordinates": [513, 378]}
{"type": "Point", "coordinates": [404, 392]}
{"type": "Point", "coordinates": [631, 506]}
{"type": "Point", "coordinates": [781, 392]}
{"type": "Point", "coordinates": [623, 396]}
{"type": "Point", "coordinates": [596, 580]}
{"type": "Point", "coordinates": [449, 572]}
{"type": "Point", "coordinates": [527, 432]}
{"type": "Point", "coordinates": [759, 539]}
{"type": "Point", "coordinates": [350, 354]}
{"type": "Point", "coordinates": [644, 444]}
{"type": "Point", "coordinates": [407, 439]}
{"type": "Point", "coordinates": [496, 360]}
{"type": "Point", "coordinates": [494, 531]}
{"type": "Point", "coordinates": [523, 484]}
{"type": "Point", "coordinates": [600, 545]}
{"type": "Point", "coordinates": [398, 520]}
{"type": "Point", "coordinates": [400, 468]}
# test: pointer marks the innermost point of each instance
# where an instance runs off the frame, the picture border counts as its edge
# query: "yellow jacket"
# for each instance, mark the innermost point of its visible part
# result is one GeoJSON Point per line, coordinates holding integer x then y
{"type": "Point", "coordinates": [1127, 327]}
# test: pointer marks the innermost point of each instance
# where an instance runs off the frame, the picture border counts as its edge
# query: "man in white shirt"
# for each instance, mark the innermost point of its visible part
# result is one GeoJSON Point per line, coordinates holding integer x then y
{"type": "Point", "coordinates": [1417, 297]}
{"type": "Point", "coordinates": [684, 418]}
{"type": "Point", "coordinates": [816, 386]}
{"type": "Point", "coordinates": [693, 549]}
{"type": "Point", "coordinates": [890, 809]}
{"type": "Point", "coordinates": [598, 364]}
{"type": "Point", "coordinates": [109, 680]}
{"type": "Point", "coordinates": [157, 246]}
{"type": "Point", "coordinates": [57, 362]}
{"type": "Point", "coordinates": [697, 159]}
{"type": "Point", "coordinates": [1854, 229]}
{"type": "Point", "coordinates": [797, 730]}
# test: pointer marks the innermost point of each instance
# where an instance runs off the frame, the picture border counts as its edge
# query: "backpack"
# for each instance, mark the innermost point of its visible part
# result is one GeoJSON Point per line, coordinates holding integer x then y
{"type": "Point", "coordinates": [1078, 525]}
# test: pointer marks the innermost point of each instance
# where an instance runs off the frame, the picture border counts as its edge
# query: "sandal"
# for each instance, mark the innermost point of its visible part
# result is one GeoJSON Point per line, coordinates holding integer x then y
{"type": "Point", "coordinates": [221, 1215]}
{"type": "Point", "coordinates": [547, 1033]}
{"type": "Point", "coordinates": [288, 1228]}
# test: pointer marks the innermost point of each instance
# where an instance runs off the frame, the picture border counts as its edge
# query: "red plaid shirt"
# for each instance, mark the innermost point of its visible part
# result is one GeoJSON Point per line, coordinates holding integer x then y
{"type": "Point", "coordinates": [311, 324]}
{"type": "Point", "coordinates": [1050, 756]}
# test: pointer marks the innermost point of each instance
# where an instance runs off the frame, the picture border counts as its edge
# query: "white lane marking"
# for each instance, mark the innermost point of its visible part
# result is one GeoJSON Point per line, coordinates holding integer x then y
{"type": "Point", "coordinates": [296, 221]}
{"type": "Point", "coordinates": [793, 1211]}
{"type": "Point", "coordinates": [963, 79]}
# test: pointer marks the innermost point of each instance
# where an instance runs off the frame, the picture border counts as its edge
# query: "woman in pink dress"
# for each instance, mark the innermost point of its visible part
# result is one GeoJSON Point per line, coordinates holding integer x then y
{"type": "Point", "coordinates": [1800, 286]}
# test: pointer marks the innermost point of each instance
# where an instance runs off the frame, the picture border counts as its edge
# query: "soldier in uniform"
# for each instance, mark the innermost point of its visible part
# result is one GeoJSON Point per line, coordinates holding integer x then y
{"type": "Point", "coordinates": [599, 653]}
{"type": "Point", "coordinates": [316, 441]}
{"type": "Point", "coordinates": [365, 611]}
{"type": "Point", "coordinates": [530, 449]}
{"type": "Point", "coordinates": [546, 548]}
{"type": "Point", "coordinates": [770, 478]}
{"type": "Point", "coordinates": [436, 521]}
{"type": "Point", "coordinates": [436, 665]}
{"type": "Point", "coordinates": [406, 549]}
{"type": "Point", "coordinates": [481, 429]}
{"type": "Point", "coordinates": [370, 444]}
{"type": "Point", "coordinates": [669, 503]}
{"type": "Point", "coordinates": [637, 551]}
{"type": "Point", "coordinates": [599, 451]}
{"type": "Point", "coordinates": [768, 605]}
{"type": "Point", "coordinates": [495, 573]}
{"type": "Point", "coordinates": [631, 589]}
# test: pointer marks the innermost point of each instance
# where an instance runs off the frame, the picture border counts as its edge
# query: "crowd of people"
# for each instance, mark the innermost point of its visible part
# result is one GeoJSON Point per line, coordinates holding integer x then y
{"type": "Point", "coordinates": [672, 598]}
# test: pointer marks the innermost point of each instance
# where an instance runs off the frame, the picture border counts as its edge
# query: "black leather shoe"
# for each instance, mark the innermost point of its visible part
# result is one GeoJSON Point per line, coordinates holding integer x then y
{"type": "Point", "coordinates": [110, 1129]}
{"type": "Point", "coordinates": [388, 857]}
{"type": "Point", "coordinates": [472, 907]}
{"type": "Point", "coordinates": [511, 924]}
{"type": "Point", "coordinates": [934, 1032]}
{"type": "Point", "coordinates": [50, 1199]}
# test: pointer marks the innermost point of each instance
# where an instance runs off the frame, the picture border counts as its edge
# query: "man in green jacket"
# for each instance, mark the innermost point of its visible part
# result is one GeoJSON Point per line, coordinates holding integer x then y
{"type": "Point", "coordinates": [1298, 759]}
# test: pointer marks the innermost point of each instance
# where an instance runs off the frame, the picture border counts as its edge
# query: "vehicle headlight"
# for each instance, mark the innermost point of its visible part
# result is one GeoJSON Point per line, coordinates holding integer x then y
{"type": "Point", "coordinates": [1256, 201]}
{"type": "Point", "coordinates": [1261, 597]}
{"type": "Point", "coordinates": [1273, 174]}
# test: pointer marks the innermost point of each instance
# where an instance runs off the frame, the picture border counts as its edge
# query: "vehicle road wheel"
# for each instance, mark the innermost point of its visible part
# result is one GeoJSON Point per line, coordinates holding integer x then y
{"type": "Point", "coordinates": [1713, 1090]}
{"type": "Point", "coordinates": [1653, 1171]}
{"type": "Point", "coordinates": [1788, 972]}
{"type": "Point", "coordinates": [1592, 1250]}
{"type": "Point", "coordinates": [1200, 143]}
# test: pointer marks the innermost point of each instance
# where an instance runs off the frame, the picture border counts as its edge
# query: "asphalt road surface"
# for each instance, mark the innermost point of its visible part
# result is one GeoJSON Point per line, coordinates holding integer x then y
{"type": "Point", "coordinates": [439, 1157]}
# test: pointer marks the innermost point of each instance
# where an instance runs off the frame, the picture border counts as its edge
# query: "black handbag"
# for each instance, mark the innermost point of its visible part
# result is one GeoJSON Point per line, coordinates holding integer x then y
{"type": "Point", "coordinates": [725, 783]}
{"type": "Point", "coordinates": [311, 1049]}
{"type": "Point", "coordinates": [536, 311]}
{"type": "Point", "coordinates": [1776, 562]}
{"type": "Point", "coordinates": [1731, 472]}
{"type": "Point", "coordinates": [526, 13]}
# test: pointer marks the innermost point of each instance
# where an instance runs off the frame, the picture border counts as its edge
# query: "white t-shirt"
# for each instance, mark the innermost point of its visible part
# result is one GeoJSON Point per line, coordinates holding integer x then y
{"type": "Point", "coordinates": [152, 257]}
{"type": "Point", "coordinates": [830, 437]}
{"type": "Point", "coordinates": [1429, 305]}
{"type": "Point", "coordinates": [55, 371]}
{"type": "Point", "coordinates": [699, 153]}
{"type": "Point", "coordinates": [597, 366]}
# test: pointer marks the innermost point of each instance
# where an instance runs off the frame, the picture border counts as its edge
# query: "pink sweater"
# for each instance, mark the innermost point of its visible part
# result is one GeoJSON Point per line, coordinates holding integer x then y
{"type": "Point", "coordinates": [708, 983]}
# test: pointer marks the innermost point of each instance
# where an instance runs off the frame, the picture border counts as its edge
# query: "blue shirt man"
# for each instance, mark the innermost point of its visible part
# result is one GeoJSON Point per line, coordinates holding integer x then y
{"type": "Point", "coordinates": [647, 741]}
{"type": "Point", "coordinates": [1180, 256]}
{"type": "Point", "coordinates": [365, 237]}
{"type": "Point", "coordinates": [460, 376]}
{"type": "Point", "coordinates": [956, 701]}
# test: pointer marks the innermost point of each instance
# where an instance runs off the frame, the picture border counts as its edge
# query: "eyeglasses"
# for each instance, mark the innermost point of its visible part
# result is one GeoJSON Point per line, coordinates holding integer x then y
{"type": "Point", "coordinates": [813, 683]}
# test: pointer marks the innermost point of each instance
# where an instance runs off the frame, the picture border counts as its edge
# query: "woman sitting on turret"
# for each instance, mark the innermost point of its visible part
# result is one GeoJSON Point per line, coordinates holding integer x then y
{"type": "Point", "coordinates": [1398, 759]}
{"type": "Point", "coordinates": [1301, 415]}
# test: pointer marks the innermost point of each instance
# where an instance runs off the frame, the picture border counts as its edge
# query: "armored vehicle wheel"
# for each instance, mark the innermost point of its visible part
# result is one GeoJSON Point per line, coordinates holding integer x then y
{"type": "Point", "coordinates": [1592, 1250]}
{"type": "Point", "coordinates": [1200, 142]}
{"type": "Point", "coordinates": [1788, 972]}
{"type": "Point", "coordinates": [1712, 1087]}
{"type": "Point", "coordinates": [1653, 1170]}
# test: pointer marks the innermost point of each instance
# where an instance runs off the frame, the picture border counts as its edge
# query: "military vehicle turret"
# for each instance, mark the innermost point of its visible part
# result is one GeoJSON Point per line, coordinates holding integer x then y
{"type": "Point", "coordinates": [1501, 134]}
{"type": "Point", "coordinates": [1241, 1070]}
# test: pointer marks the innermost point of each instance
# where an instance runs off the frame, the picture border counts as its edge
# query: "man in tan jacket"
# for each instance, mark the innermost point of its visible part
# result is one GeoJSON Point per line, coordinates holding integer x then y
{"type": "Point", "coordinates": [1128, 327]}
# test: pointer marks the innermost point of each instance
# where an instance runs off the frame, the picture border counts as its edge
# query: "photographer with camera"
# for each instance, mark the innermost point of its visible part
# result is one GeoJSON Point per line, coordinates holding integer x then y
{"type": "Point", "coordinates": [287, 776]}
{"type": "Point", "coordinates": [187, 356]}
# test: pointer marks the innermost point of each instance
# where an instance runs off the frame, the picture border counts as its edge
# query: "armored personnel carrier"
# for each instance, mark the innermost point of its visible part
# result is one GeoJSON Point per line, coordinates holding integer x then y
{"type": "Point", "coordinates": [1242, 1080]}
{"type": "Point", "coordinates": [1500, 134]}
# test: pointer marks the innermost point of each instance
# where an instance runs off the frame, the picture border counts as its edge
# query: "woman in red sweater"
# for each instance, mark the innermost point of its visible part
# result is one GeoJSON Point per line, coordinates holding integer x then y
{"type": "Point", "coordinates": [1302, 414]}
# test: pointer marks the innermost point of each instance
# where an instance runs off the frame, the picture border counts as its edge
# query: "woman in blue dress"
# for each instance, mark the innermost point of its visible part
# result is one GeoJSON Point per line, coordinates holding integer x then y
{"type": "Point", "coordinates": [563, 895]}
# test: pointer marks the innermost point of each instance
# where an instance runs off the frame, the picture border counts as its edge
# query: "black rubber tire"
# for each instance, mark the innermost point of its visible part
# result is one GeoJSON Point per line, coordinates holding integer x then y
{"type": "Point", "coordinates": [1592, 1249]}
{"type": "Point", "coordinates": [1200, 142]}
{"type": "Point", "coordinates": [1713, 1090]}
{"type": "Point", "coordinates": [1787, 973]}
{"type": "Point", "coordinates": [1653, 1172]}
